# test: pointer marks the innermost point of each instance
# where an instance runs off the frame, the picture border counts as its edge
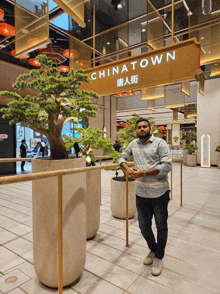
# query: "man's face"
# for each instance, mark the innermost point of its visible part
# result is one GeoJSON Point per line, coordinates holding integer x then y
{"type": "Point", "coordinates": [143, 130]}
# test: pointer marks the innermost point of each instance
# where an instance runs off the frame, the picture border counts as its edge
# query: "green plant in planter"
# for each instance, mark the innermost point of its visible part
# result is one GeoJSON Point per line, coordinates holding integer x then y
{"type": "Point", "coordinates": [90, 138]}
{"type": "Point", "coordinates": [191, 148]}
{"type": "Point", "coordinates": [217, 149]}
{"type": "Point", "coordinates": [175, 138]}
{"type": "Point", "coordinates": [58, 98]}
{"type": "Point", "coordinates": [188, 137]}
{"type": "Point", "coordinates": [128, 134]}
{"type": "Point", "coordinates": [169, 142]}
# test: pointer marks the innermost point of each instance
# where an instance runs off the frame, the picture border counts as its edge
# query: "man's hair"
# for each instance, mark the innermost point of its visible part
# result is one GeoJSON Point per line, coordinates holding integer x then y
{"type": "Point", "coordinates": [142, 119]}
{"type": "Point", "coordinates": [23, 141]}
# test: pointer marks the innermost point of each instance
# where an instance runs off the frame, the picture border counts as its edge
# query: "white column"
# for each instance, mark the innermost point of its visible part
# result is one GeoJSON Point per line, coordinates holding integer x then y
{"type": "Point", "coordinates": [175, 132]}
{"type": "Point", "coordinates": [208, 117]}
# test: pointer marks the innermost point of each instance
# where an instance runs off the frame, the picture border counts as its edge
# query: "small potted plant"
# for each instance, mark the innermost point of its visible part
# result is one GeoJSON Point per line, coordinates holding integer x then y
{"type": "Point", "coordinates": [218, 157]}
{"type": "Point", "coordinates": [91, 139]}
{"type": "Point", "coordinates": [175, 138]}
{"type": "Point", "coordinates": [191, 157]}
{"type": "Point", "coordinates": [187, 138]}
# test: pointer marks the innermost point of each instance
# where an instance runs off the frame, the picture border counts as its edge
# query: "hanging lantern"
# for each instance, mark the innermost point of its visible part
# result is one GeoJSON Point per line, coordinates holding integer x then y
{"type": "Point", "coordinates": [25, 56]}
{"type": "Point", "coordinates": [6, 29]}
{"type": "Point", "coordinates": [72, 54]}
{"type": "Point", "coordinates": [82, 63]}
{"type": "Point", "coordinates": [43, 69]}
{"type": "Point", "coordinates": [64, 68]}
{"type": "Point", "coordinates": [33, 41]}
{"type": "Point", "coordinates": [1, 14]}
{"type": "Point", "coordinates": [121, 94]}
{"type": "Point", "coordinates": [130, 93]}
{"type": "Point", "coordinates": [53, 53]}
{"type": "Point", "coordinates": [34, 62]}
{"type": "Point", "coordinates": [117, 124]}
{"type": "Point", "coordinates": [127, 125]}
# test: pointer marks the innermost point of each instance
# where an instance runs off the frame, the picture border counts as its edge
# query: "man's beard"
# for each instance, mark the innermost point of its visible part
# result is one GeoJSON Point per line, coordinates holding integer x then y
{"type": "Point", "coordinates": [142, 136]}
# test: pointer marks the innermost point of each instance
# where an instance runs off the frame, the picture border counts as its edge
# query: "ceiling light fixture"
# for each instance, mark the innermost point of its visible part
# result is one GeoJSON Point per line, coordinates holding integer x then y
{"type": "Point", "coordinates": [143, 30]}
{"type": "Point", "coordinates": [119, 6]}
{"type": "Point", "coordinates": [108, 43]}
{"type": "Point", "coordinates": [202, 38]}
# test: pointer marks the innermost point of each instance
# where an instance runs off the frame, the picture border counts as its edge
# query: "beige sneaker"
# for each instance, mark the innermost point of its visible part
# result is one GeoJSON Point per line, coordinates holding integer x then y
{"type": "Point", "coordinates": [149, 259]}
{"type": "Point", "coordinates": [24, 172]}
{"type": "Point", "coordinates": [157, 267]}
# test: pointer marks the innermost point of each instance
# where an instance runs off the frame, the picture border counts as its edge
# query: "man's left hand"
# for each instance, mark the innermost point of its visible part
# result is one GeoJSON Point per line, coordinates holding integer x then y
{"type": "Point", "coordinates": [135, 173]}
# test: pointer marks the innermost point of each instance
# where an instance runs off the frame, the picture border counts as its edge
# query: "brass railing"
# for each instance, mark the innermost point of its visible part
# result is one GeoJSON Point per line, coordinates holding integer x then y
{"type": "Point", "coordinates": [59, 174]}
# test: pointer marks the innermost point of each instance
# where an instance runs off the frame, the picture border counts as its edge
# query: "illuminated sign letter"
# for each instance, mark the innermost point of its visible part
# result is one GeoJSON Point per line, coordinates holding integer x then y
{"type": "Point", "coordinates": [108, 72]}
{"type": "Point", "coordinates": [102, 74]}
{"type": "Point", "coordinates": [124, 68]}
{"type": "Point", "coordinates": [92, 76]}
{"type": "Point", "coordinates": [156, 59]}
{"type": "Point", "coordinates": [115, 70]}
{"type": "Point", "coordinates": [142, 61]}
{"type": "Point", "coordinates": [171, 56]}
{"type": "Point", "coordinates": [133, 64]}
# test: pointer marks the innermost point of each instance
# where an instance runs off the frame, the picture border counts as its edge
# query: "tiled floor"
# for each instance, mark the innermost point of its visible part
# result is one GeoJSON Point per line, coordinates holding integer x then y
{"type": "Point", "coordinates": [191, 262]}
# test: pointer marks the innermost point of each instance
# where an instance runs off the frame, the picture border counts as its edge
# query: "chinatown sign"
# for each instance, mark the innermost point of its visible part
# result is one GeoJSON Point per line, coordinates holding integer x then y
{"type": "Point", "coordinates": [168, 65]}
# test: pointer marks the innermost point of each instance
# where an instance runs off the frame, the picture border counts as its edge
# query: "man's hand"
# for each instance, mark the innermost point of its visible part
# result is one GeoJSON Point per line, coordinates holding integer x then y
{"type": "Point", "coordinates": [135, 173]}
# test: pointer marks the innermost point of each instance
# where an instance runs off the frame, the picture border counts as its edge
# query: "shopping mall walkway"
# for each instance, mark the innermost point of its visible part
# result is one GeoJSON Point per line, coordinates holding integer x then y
{"type": "Point", "coordinates": [191, 263]}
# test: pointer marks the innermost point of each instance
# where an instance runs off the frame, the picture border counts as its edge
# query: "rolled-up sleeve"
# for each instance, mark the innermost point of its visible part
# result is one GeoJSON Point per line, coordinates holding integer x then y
{"type": "Point", "coordinates": [125, 155]}
{"type": "Point", "coordinates": [165, 165]}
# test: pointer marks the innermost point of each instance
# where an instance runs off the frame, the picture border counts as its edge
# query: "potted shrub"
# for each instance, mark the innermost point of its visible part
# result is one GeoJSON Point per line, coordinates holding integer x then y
{"type": "Point", "coordinates": [175, 138]}
{"type": "Point", "coordinates": [118, 185]}
{"type": "Point", "coordinates": [169, 142]}
{"type": "Point", "coordinates": [58, 98]}
{"type": "Point", "coordinates": [90, 139]}
{"type": "Point", "coordinates": [187, 138]}
{"type": "Point", "coordinates": [218, 157]}
{"type": "Point", "coordinates": [191, 157]}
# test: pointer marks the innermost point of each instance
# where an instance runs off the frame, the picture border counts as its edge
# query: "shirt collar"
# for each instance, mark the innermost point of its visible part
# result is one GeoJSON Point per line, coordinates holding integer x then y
{"type": "Point", "coordinates": [149, 140]}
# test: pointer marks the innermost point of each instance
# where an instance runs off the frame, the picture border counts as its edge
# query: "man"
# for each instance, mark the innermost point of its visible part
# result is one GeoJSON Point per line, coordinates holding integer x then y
{"type": "Point", "coordinates": [23, 152]}
{"type": "Point", "coordinates": [117, 146]}
{"type": "Point", "coordinates": [76, 148]}
{"type": "Point", "coordinates": [153, 162]}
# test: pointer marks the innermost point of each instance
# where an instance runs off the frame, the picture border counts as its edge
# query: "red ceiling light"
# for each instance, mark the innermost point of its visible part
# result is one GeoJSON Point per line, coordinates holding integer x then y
{"type": "Point", "coordinates": [6, 29]}
{"type": "Point", "coordinates": [34, 61]}
{"type": "Point", "coordinates": [72, 54]}
{"type": "Point", "coordinates": [25, 56]}
{"type": "Point", "coordinates": [64, 68]}
{"type": "Point", "coordinates": [82, 63]}
{"type": "Point", "coordinates": [143, 91]}
{"type": "Point", "coordinates": [53, 53]}
{"type": "Point", "coordinates": [1, 14]}
{"type": "Point", "coordinates": [43, 69]}
{"type": "Point", "coordinates": [121, 94]}
{"type": "Point", "coordinates": [130, 93]}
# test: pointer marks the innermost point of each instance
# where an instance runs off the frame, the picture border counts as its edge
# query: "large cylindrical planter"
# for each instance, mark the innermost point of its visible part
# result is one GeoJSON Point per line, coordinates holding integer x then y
{"type": "Point", "coordinates": [185, 152]}
{"type": "Point", "coordinates": [93, 197]}
{"type": "Point", "coordinates": [45, 221]}
{"type": "Point", "coordinates": [191, 160]}
{"type": "Point", "coordinates": [218, 161]}
{"type": "Point", "coordinates": [118, 198]}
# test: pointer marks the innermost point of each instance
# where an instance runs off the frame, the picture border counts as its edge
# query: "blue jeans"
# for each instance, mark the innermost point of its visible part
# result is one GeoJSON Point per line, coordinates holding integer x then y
{"type": "Point", "coordinates": [146, 208]}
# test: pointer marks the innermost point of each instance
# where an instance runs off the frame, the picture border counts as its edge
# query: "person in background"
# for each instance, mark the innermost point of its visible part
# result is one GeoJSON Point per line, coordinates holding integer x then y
{"type": "Point", "coordinates": [164, 138]}
{"type": "Point", "coordinates": [23, 151]}
{"type": "Point", "coordinates": [42, 148]}
{"type": "Point", "coordinates": [76, 148]}
{"type": "Point", "coordinates": [117, 146]}
{"type": "Point", "coordinates": [153, 163]}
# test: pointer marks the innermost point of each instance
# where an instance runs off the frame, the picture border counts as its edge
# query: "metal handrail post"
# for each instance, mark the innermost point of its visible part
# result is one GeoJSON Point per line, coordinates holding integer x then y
{"type": "Point", "coordinates": [171, 182]}
{"type": "Point", "coordinates": [60, 237]}
{"type": "Point", "coordinates": [181, 183]}
{"type": "Point", "coordinates": [127, 245]}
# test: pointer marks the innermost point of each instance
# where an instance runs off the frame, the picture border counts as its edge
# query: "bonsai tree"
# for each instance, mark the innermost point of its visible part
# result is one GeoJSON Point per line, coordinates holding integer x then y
{"type": "Point", "coordinates": [217, 149]}
{"type": "Point", "coordinates": [58, 98]}
{"type": "Point", "coordinates": [169, 142]}
{"type": "Point", "coordinates": [175, 138]}
{"type": "Point", "coordinates": [188, 137]}
{"type": "Point", "coordinates": [90, 138]}
{"type": "Point", "coordinates": [191, 148]}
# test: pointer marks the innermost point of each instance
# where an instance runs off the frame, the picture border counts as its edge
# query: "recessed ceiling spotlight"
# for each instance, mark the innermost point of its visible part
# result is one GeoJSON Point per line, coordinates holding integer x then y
{"type": "Point", "coordinates": [210, 52]}
{"type": "Point", "coordinates": [108, 43]}
{"type": "Point", "coordinates": [119, 6]}
{"type": "Point", "coordinates": [7, 41]}
{"type": "Point", "coordinates": [202, 38]}
{"type": "Point", "coordinates": [216, 64]}
{"type": "Point", "coordinates": [89, 20]}
{"type": "Point", "coordinates": [143, 30]}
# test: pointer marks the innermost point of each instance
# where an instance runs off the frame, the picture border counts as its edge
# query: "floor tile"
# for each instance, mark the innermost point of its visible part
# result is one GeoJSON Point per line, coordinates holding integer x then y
{"type": "Point", "coordinates": [8, 259]}
{"type": "Point", "coordinates": [21, 247]}
{"type": "Point", "coordinates": [19, 277]}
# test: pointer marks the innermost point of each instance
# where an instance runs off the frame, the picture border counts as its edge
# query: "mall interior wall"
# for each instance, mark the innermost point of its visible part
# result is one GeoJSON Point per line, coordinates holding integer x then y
{"type": "Point", "coordinates": [208, 118]}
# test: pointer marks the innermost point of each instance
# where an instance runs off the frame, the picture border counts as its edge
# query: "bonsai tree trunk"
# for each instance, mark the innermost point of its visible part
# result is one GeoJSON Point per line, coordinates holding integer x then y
{"type": "Point", "coordinates": [57, 147]}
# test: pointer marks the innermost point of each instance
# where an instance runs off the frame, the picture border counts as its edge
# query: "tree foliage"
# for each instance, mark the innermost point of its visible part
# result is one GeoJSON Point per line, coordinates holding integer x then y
{"type": "Point", "coordinates": [58, 97]}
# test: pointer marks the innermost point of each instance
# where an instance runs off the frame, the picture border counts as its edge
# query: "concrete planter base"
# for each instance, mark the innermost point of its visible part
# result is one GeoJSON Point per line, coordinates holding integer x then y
{"type": "Point", "coordinates": [45, 222]}
{"type": "Point", "coordinates": [93, 197]}
{"type": "Point", "coordinates": [218, 161]}
{"type": "Point", "coordinates": [185, 152]}
{"type": "Point", "coordinates": [118, 198]}
{"type": "Point", "coordinates": [191, 160]}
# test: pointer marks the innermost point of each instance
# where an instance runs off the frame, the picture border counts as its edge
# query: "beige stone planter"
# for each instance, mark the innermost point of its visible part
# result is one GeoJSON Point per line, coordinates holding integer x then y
{"type": "Point", "coordinates": [118, 198]}
{"type": "Point", "coordinates": [93, 196]}
{"type": "Point", "coordinates": [191, 160]}
{"type": "Point", "coordinates": [218, 161]}
{"type": "Point", "coordinates": [45, 222]}
{"type": "Point", "coordinates": [185, 152]}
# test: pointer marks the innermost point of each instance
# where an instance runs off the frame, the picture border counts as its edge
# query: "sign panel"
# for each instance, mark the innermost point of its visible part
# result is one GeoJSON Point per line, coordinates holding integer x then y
{"type": "Point", "coordinates": [160, 67]}
{"type": "Point", "coordinates": [3, 136]}
{"type": "Point", "coordinates": [205, 151]}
